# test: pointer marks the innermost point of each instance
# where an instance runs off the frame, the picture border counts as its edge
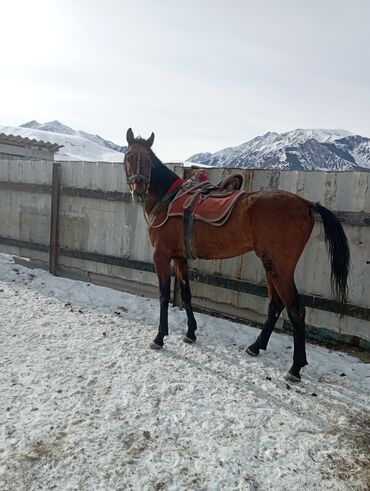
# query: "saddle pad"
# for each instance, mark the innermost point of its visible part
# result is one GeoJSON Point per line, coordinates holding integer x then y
{"type": "Point", "coordinates": [205, 208]}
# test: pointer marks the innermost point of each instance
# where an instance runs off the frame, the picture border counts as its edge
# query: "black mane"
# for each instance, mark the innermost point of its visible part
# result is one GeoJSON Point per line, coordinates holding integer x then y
{"type": "Point", "coordinates": [162, 177]}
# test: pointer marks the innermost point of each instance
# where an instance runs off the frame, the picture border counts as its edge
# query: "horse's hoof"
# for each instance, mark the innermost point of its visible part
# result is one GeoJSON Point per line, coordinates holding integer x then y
{"type": "Point", "coordinates": [188, 340]}
{"type": "Point", "coordinates": [292, 378]}
{"type": "Point", "coordinates": [252, 350]}
{"type": "Point", "coordinates": [155, 346]}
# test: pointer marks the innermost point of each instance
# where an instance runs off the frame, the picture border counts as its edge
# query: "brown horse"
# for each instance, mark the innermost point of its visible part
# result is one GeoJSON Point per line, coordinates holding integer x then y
{"type": "Point", "coordinates": [275, 224]}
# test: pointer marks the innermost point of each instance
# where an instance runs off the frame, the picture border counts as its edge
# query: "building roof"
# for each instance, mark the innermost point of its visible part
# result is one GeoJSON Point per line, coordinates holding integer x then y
{"type": "Point", "coordinates": [21, 141]}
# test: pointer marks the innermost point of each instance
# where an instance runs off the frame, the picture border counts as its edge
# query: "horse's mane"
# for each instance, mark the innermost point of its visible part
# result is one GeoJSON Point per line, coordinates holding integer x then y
{"type": "Point", "coordinates": [139, 139]}
{"type": "Point", "coordinates": [162, 176]}
{"type": "Point", "coordinates": [156, 162]}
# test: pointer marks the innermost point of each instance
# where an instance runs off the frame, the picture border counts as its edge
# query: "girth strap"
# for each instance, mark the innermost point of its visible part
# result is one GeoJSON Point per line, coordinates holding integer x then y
{"type": "Point", "coordinates": [188, 233]}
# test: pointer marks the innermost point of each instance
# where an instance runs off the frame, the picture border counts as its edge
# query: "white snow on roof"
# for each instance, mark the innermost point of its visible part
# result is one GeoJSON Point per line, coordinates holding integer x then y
{"type": "Point", "coordinates": [74, 147]}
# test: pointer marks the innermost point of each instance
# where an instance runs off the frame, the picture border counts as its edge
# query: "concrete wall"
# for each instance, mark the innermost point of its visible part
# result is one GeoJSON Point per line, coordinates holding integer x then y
{"type": "Point", "coordinates": [105, 226]}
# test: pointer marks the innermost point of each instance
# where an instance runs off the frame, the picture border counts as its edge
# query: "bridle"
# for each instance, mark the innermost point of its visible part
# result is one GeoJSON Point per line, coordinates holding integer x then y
{"type": "Point", "coordinates": [138, 176]}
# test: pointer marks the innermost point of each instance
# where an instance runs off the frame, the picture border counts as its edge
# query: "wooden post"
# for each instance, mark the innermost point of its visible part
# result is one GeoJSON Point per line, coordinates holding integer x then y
{"type": "Point", "coordinates": [54, 218]}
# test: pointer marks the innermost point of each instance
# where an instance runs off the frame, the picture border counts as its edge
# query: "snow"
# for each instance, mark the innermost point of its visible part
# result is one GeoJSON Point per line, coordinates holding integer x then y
{"type": "Point", "coordinates": [359, 147]}
{"type": "Point", "coordinates": [86, 405]}
{"type": "Point", "coordinates": [301, 135]}
{"type": "Point", "coordinates": [77, 146]}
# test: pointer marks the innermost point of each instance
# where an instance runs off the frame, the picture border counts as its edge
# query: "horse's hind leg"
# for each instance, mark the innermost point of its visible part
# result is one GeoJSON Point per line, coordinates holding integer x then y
{"type": "Point", "coordinates": [296, 311]}
{"type": "Point", "coordinates": [274, 310]}
{"type": "Point", "coordinates": [181, 268]}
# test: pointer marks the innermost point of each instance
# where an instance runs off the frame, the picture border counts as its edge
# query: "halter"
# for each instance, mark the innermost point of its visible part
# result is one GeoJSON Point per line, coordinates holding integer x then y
{"type": "Point", "coordinates": [138, 176]}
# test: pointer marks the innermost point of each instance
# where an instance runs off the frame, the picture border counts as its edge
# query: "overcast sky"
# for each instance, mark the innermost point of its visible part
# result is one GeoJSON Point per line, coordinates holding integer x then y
{"type": "Point", "coordinates": [201, 74]}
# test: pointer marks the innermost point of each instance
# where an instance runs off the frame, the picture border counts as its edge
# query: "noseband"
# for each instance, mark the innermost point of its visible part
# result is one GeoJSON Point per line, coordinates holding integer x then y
{"type": "Point", "coordinates": [138, 176]}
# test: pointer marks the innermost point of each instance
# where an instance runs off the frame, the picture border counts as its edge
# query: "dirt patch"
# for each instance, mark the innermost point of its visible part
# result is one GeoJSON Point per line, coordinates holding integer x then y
{"type": "Point", "coordinates": [354, 466]}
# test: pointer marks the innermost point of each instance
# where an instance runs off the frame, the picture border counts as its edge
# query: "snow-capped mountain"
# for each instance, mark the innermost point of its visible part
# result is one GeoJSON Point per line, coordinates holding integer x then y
{"type": "Point", "coordinates": [77, 145]}
{"type": "Point", "coordinates": [300, 149]}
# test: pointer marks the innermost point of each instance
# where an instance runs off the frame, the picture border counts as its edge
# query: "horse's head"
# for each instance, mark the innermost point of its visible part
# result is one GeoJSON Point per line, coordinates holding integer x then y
{"type": "Point", "coordinates": [138, 165]}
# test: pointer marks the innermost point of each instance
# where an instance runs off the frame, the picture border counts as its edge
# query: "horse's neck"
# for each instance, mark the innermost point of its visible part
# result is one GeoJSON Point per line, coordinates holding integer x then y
{"type": "Point", "coordinates": [150, 202]}
{"type": "Point", "coordinates": [161, 179]}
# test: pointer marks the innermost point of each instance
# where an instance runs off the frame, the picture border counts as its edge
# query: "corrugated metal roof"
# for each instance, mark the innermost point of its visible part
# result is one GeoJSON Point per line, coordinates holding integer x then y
{"type": "Point", "coordinates": [21, 141]}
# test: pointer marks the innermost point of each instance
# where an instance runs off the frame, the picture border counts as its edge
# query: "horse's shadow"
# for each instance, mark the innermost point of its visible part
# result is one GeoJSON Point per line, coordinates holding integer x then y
{"type": "Point", "coordinates": [243, 384]}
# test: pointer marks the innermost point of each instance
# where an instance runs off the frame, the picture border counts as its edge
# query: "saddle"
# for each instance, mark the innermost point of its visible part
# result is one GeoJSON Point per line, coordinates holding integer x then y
{"type": "Point", "coordinates": [200, 200]}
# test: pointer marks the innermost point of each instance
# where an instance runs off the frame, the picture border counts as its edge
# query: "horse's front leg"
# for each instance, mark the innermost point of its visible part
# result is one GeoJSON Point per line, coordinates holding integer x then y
{"type": "Point", "coordinates": [181, 268]}
{"type": "Point", "coordinates": [162, 265]}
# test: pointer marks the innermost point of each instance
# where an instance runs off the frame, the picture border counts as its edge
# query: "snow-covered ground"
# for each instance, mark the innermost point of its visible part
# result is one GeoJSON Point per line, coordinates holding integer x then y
{"type": "Point", "coordinates": [86, 405]}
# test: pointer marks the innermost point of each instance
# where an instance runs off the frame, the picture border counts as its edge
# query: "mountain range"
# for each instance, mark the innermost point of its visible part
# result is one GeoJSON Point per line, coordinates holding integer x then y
{"type": "Point", "coordinates": [77, 145]}
{"type": "Point", "coordinates": [299, 149]}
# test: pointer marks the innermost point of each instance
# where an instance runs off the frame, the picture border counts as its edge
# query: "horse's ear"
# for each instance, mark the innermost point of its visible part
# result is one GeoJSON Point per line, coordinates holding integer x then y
{"type": "Point", "coordinates": [150, 140]}
{"type": "Point", "coordinates": [130, 136]}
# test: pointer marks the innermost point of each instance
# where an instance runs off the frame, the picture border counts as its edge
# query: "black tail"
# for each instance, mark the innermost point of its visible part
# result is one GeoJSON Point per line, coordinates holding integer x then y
{"type": "Point", "coordinates": [338, 249]}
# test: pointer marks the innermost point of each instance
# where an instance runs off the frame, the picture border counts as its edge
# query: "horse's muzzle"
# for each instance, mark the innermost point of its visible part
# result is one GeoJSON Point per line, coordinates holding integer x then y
{"type": "Point", "coordinates": [139, 197]}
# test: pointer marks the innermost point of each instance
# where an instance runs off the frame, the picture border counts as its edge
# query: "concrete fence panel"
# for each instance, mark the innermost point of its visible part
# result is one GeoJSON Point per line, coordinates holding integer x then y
{"type": "Point", "coordinates": [103, 238]}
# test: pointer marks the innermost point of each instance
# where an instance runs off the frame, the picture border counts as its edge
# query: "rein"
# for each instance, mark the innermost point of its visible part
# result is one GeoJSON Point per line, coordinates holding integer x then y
{"type": "Point", "coordinates": [172, 191]}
